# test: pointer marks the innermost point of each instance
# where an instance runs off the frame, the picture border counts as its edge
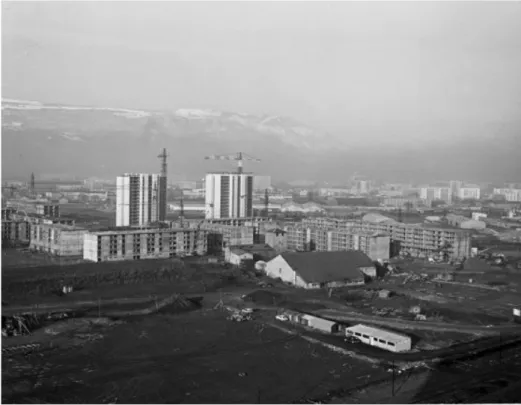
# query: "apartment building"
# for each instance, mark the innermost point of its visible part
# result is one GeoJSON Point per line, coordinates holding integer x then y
{"type": "Point", "coordinates": [257, 223]}
{"type": "Point", "coordinates": [467, 193]}
{"type": "Point", "coordinates": [221, 236]}
{"type": "Point", "coordinates": [374, 245]}
{"type": "Point", "coordinates": [146, 243]}
{"type": "Point", "coordinates": [415, 239]}
{"type": "Point", "coordinates": [57, 239]}
{"type": "Point", "coordinates": [510, 194]}
{"type": "Point", "coordinates": [15, 231]}
{"type": "Point", "coordinates": [228, 195]}
{"type": "Point", "coordinates": [48, 210]}
{"type": "Point", "coordinates": [430, 194]}
{"type": "Point", "coordinates": [401, 202]}
{"type": "Point", "coordinates": [140, 199]}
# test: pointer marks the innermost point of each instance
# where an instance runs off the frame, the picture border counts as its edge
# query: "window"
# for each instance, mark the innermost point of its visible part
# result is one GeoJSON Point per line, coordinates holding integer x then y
{"type": "Point", "coordinates": [365, 336]}
{"type": "Point", "coordinates": [358, 334]}
{"type": "Point", "coordinates": [390, 343]}
{"type": "Point", "coordinates": [350, 332]}
{"type": "Point", "coordinates": [382, 341]}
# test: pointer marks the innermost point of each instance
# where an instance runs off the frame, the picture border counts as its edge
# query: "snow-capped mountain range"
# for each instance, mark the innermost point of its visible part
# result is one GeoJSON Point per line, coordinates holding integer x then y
{"type": "Point", "coordinates": [76, 122]}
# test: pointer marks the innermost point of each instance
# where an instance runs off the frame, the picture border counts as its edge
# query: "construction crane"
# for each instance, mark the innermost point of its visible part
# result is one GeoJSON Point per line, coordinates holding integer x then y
{"type": "Point", "coordinates": [163, 156]}
{"type": "Point", "coordinates": [197, 242]}
{"type": "Point", "coordinates": [239, 157]}
{"type": "Point", "coordinates": [182, 215]}
{"type": "Point", "coordinates": [266, 203]}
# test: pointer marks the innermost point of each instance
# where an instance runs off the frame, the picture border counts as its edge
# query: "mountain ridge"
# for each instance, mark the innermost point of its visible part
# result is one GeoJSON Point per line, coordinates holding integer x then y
{"type": "Point", "coordinates": [49, 138]}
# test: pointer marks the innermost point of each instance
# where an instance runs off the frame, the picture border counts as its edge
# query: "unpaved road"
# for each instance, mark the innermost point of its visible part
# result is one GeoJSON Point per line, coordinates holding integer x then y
{"type": "Point", "coordinates": [418, 325]}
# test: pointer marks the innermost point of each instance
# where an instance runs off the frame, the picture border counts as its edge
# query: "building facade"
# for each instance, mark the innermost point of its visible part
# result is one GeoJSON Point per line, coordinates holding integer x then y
{"type": "Point", "coordinates": [510, 194]}
{"type": "Point", "coordinates": [413, 239]}
{"type": "Point", "coordinates": [469, 193]}
{"type": "Point", "coordinates": [57, 239]}
{"type": "Point", "coordinates": [301, 238]}
{"type": "Point", "coordinates": [140, 199]}
{"type": "Point", "coordinates": [430, 194]}
{"type": "Point", "coordinates": [136, 244]}
{"type": "Point", "coordinates": [228, 195]}
{"type": "Point", "coordinates": [48, 210]}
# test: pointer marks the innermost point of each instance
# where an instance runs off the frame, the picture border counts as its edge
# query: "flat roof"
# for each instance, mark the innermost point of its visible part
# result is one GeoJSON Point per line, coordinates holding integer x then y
{"type": "Point", "coordinates": [379, 333]}
{"type": "Point", "coordinates": [126, 230]}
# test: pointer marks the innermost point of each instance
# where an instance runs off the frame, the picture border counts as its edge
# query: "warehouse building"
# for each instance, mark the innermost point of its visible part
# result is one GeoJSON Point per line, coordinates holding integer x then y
{"type": "Point", "coordinates": [375, 245]}
{"type": "Point", "coordinates": [57, 239]}
{"type": "Point", "coordinates": [321, 269]}
{"type": "Point", "coordinates": [384, 339]}
{"type": "Point", "coordinates": [414, 239]}
{"type": "Point", "coordinates": [145, 243]}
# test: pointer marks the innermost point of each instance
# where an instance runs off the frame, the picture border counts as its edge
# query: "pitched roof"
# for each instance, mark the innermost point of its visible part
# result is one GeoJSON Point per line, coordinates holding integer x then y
{"type": "Point", "coordinates": [321, 267]}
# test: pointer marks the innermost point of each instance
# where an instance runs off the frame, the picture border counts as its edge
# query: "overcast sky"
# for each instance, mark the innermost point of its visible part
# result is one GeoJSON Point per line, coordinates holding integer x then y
{"type": "Point", "coordinates": [336, 65]}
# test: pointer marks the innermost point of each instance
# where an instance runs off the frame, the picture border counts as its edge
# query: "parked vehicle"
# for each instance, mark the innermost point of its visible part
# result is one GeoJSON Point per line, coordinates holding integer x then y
{"type": "Point", "coordinates": [281, 317]}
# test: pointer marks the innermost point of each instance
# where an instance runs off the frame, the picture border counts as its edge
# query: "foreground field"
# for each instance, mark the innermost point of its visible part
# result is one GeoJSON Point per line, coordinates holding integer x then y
{"type": "Point", "coordinates": [197, 357]}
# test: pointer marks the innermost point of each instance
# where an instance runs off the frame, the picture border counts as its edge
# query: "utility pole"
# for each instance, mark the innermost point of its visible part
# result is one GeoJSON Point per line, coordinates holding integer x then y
{"type": "Point", "coordinates": [500, 349]}
{"type": "Point", "coordinates": [393, 379]}
{"type": "Point", "coordinates": [266, 203]}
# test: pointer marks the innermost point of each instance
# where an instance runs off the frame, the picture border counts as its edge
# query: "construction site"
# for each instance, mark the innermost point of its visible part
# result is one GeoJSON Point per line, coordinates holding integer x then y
{"type": "Point", "coordinates": [114, 328]}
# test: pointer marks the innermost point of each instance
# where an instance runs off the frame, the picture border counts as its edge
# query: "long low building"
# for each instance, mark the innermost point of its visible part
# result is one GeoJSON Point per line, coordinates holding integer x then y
{"type": "Point", "coordinates": [384, 339]}
{"type": "Point", "coordinates": [57, 239]}
{"type": "Point", "coordinates": [415, 239]}
{"type": "Point", "coordinates": [146, 243]}
{"type": "Point", "coordinates": [375, 245]}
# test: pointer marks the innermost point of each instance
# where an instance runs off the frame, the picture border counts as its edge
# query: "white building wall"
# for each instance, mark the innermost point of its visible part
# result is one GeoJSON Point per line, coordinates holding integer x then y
{"type": "Point", "coordinates": [144, 202]}
{"type": "Point", "coordinates": [122, 200]}
{"type": "Point", "coordinates": [237, 200]}
{"type": "Point", "coordinates": [90, 247]}
{"type": "Point", "coordinates": [278, 267]}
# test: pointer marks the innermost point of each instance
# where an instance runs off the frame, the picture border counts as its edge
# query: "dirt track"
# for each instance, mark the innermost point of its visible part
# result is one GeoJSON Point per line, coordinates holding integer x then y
{"type": "Point", "coordinates": [418, 325]}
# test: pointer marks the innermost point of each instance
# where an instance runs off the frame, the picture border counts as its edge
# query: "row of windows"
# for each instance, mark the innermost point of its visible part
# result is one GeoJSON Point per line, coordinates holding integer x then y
{"type": "Point", "coordinates": [367, 337]}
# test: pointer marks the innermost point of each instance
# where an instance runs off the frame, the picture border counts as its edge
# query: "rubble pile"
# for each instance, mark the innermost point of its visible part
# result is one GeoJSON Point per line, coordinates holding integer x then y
{"type": "Point", "coordinates": [422, 278]}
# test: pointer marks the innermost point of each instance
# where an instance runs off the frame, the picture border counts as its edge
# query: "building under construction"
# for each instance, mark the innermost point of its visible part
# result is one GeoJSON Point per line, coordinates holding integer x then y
{"type": "Point", "coordinates": [222, 236]}
{"type": "Point", "coordinates": [57, 239]}
{"type": "Point", "coordinates": [302, 238]}
{"type": "Point", "coordinates": [409, 239]}
{"type": "Point", "coordinates": [141, 197]}
{"type": "Point", "coordinates": [145, 243]}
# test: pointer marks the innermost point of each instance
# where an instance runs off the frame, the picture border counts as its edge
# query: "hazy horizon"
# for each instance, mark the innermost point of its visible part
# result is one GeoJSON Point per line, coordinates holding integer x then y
{"type": "Point", "coordinates": [344, 66]}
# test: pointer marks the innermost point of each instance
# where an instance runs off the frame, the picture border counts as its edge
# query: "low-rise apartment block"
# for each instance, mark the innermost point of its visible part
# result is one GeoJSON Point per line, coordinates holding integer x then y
{"type": "Point", "coordinates": [146, 243]}
{"type": "Point", "coordinates": [415, 239]}
{"type": "Point", "coordinates": [57, 239]}
{"type": "Point", "coordinates": [402, 202]}
{"type": "Point", "coordinates": [510, 194]}
{"type": "Point", "coordinates": [15, 231]}
{"type": "Point", "coordinates": [223, 236]}
{"type": "Point", "coordinates": [320, 239]}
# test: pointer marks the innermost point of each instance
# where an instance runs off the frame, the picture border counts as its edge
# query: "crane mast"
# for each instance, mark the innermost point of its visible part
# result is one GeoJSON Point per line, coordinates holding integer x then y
{"type": "Point", "coordinates": [239, 157]}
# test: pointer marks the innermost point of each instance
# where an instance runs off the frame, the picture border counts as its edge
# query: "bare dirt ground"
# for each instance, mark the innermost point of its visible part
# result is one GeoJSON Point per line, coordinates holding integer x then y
{"type": "Point", "coordinates": [197, 357]}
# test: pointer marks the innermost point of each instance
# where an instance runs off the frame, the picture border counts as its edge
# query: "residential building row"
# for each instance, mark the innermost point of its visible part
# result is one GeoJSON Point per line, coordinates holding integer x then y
{"type": "Point", "coordinates": [413, 239]}
{"type": "Point", "coordinates": [302, 238]}
{"type": "Point", "coordinates": [510, 194]}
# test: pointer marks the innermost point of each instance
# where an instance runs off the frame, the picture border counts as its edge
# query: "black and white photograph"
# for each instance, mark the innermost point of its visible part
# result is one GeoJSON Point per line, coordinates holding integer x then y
{"type": "Point", "coordinates": [261, 202]}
